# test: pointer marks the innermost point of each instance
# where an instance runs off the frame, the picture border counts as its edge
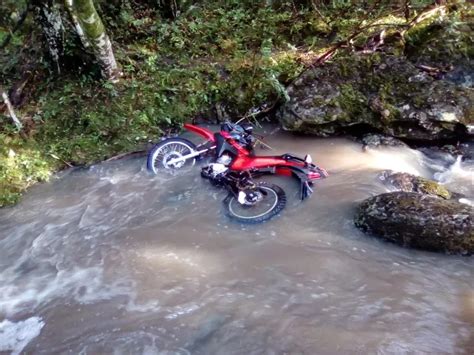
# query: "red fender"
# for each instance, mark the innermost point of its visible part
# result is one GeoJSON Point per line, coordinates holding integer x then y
{"type": "Point", "coordinates": [203, 132]}
{"type": "Point", "coordinates": [243, 162]}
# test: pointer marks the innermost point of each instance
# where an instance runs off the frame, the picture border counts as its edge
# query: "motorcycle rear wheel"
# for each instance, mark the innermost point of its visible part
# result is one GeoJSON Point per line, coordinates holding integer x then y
{"type": "Point", "coordinates": [272, 203]}
{"type": "Point", "coordinates": [169, 149]}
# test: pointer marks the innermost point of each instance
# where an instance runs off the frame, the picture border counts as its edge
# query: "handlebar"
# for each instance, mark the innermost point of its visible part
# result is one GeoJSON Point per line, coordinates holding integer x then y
{"type": "Point", "coordinates": [227, 126]}
{"type": "Point", "coordinates": [240, 132]}
{"type": "Point", "coordinates": [240, 128]}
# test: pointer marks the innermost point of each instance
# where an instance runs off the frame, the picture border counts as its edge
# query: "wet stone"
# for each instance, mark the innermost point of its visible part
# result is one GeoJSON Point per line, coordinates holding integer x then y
{"type": "Point", "coordinates": [419, 221]}
{"type": "Point", "coordinates": [374, 140]}
{"type": "Point", "coordinates": [411, 183]}
{"type": "Point", "coordinates": [386, 93]}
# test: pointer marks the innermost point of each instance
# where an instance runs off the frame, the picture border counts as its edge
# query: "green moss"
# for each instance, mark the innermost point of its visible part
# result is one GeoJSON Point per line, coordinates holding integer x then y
{"type": "Point", "coordinates": [352, 101]}
{"type": "Point", "coordinates": [319, 101]}
{"type": "Point", "coordinates": [432, 188]}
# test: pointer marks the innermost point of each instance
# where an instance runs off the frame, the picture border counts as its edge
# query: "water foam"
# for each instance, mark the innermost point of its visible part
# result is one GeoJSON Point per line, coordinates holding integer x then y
{"type": "Point", "coordinates": [400, 160]}
{"type": "Point", "coordinates": [456, 171]}
{"type": "Point", "coordinates": [84, 285]}
{"type": "Point", "coordinates": [15, 337]}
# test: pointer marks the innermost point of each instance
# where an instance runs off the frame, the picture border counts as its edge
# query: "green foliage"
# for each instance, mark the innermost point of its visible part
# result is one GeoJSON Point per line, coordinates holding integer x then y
{"type": "Point", "coordinates": [445, 38]}
{"type": "Point", "coordinates": [173, 70]}
{"type": "Point", "coordinates": [237, 52]}
{"type": "Point", "coordinates": [21, 165]}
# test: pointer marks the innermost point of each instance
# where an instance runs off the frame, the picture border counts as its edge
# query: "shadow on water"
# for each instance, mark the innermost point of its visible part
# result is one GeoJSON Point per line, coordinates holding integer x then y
{"type": "Point", "coordinates": [110, 259]}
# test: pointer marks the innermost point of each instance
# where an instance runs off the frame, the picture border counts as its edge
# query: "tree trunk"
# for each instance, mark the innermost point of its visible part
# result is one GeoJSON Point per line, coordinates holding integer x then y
{"type": "Point", "coordinates": [169, 8]}
{"type": "Point", "coordinates": [49, 18]}
{"type": "Point", "coordinates": [91, 31]}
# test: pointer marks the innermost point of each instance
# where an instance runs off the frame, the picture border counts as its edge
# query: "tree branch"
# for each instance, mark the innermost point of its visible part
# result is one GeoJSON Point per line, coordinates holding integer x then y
{"type": "Point", "coordinates": [10, 110]}
{"type": "Point", "coordinates": [426, 13]}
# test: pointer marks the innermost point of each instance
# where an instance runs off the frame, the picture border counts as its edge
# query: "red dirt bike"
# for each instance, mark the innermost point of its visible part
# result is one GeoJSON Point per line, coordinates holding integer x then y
{"type": "Point", "coordinates": [235, 167]}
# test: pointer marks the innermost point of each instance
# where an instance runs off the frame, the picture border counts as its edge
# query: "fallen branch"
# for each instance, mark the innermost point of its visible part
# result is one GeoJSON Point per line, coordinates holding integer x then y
{"type": "Point", "coordinates": [315, 8]}
{"type": "Point", "coordinates": [10, 111]}
{"type": "Point", "coordinates": [332, 51]}
{"type": "Point", "coordinates": [425, 14]}
{"type": "Point", "coordinates": [58, 158]}
{"type": "Point", "coordinates": [433, 71]}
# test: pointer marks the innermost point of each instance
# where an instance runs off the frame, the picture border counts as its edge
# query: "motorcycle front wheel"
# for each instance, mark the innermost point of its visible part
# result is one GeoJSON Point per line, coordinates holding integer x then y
{"type": "Point", "coordinates": [163, 155]}
{"type": "Point", "coordinates": [272, 201]}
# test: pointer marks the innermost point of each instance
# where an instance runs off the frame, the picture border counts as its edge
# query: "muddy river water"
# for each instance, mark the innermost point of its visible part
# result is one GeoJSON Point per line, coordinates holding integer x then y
{"type": "Point", "coordinates": [109, 259]}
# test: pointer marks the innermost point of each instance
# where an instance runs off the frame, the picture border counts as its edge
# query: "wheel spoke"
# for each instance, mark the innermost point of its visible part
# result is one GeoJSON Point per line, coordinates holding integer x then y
{"type": "Point", "coordinates": [265, 205]}
{"type": "Point", "coordinates": [171, 150]}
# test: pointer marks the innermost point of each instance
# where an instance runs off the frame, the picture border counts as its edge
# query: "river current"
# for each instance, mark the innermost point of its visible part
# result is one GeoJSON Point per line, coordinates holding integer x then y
{"type": "Point", "coordinates": [109, 259]}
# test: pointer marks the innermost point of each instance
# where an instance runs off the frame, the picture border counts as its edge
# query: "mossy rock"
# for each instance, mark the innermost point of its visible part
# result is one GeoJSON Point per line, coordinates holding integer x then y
{"type": "Point", "coordinates": [394, 94]}
{"type": "Point", "coordinates": [382, 91]}
{"type": "Point", "coordinates": [411, 183]}
{"type": "Point", "coordinates": [419, 221]}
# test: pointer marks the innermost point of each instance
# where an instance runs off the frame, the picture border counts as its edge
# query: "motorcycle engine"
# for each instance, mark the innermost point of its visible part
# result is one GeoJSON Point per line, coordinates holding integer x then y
{"type": "Point", "coordinates": [217, 169]}
{"type": "Point", "coordinates": [224, 159]}
{"type": "Point", "coordinates": [214, 172]}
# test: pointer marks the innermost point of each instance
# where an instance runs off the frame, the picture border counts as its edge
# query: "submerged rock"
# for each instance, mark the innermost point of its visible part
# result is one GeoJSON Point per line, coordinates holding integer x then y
{"type": "Point", "coordinates": [385, 92]}
{"type": "Point", "coordinates": [419, 221]}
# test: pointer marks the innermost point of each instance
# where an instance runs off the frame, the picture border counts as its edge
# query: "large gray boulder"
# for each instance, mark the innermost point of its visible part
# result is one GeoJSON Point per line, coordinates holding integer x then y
{"type": "Point", "coordinates": [385, 92]}
{"type": "Point", "coordinates": [419, 221]}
